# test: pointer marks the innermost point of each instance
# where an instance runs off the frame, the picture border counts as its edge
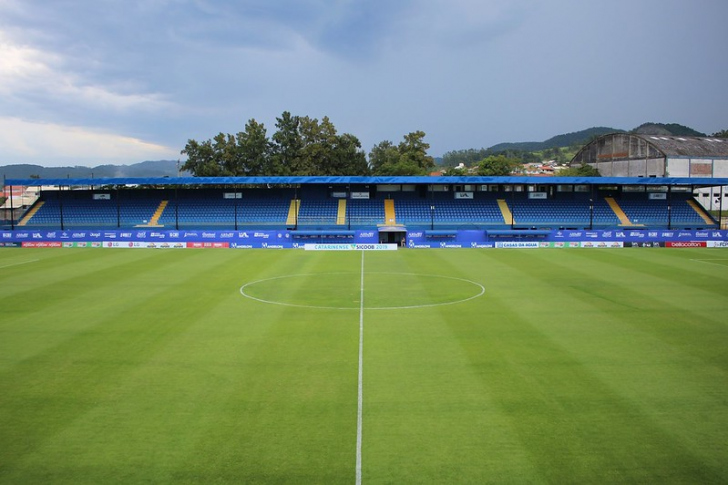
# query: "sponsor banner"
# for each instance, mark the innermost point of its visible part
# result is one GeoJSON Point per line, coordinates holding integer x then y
{"type": "Point", "coordinates": [10, 244]}
{"type": "Point", "coordinates": [601, 244]}
{"type": "Point", "coordinates": [686, 244]}
{"type": "Point", "coordinates": [42, 244]}
{"type": "Point", "coordinates": [718, 244]}
{"type": "Point", "coordinates": [367, 236]}
{"type": "Point", "coordinates": [537, 195]}
{"type": "Point", "coordinates": [143, 245]}
{"type": "Point", "coordinates": [464, 195]}
{"type": "Point", "coordinates": [85, 244]}
{"type": "Point", "coordinates": [646, 244]}
{"type": "Point", "coordinates": [359, 195]}
{"type": "Point", "coordinates": [420, 245]}
{"type": "Point", "coordinates": [517, 244]}
{"type": "Point", "coordinates": [206, 245]}
{"type": "Point", "coordinates": [102, 197]}
{"type": "Point", "coordinates": [350, 247]}
{"type": "Point", "coordinates": [559, 244]}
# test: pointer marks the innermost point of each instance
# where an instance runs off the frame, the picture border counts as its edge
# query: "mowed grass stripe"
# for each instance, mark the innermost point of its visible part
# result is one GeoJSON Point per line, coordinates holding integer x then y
{"type": "Point", "coordinates": [534, 299]}
{"type": "Point", "coordinates": [192, 384]}
{"type": "Point", "coordinates": [293, 416]}
{"type": "Point", "coordinates": [57, 386]}
{"type": "Point", "coordinates": [107, 287]}
{"type": "Point", "coordinates": [648, 357]}
{"type": "Point", "coordinates": [429, 417]}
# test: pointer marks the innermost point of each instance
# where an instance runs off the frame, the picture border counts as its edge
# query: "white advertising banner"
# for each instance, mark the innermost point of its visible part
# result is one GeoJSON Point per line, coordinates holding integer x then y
{"type": "Point", "coordinates": [350, 247]}
{"type": "Point", "coordinates": [144, 245]}
{"type": "Point", "coordinates": [518, 244]}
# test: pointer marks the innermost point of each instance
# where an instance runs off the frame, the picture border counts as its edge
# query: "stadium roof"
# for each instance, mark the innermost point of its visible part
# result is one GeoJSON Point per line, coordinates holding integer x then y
{"type": "Point", "coordinates": [674, 146]}
{"type": "Point", "coordinates": [359, 180]}
{"type": "Point", "coordinates": [683, 146]}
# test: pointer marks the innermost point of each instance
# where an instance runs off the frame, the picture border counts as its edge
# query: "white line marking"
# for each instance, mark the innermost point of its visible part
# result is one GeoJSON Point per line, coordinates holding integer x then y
{"type": "Point", "coordinates": [360, 400]}
{"type": "Point", "coordinates": [710, 261]}
{"type": "Point", "coordinates": [408, 307]}
{"type": "Point", "coordinates": [18, 264]}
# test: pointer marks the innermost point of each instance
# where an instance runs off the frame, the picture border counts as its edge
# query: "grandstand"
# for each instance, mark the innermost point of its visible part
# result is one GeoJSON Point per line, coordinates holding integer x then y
{"type": "Point", "coordinates": [499, 207]}
{"type": "Point", "coordinates": [396, 208]}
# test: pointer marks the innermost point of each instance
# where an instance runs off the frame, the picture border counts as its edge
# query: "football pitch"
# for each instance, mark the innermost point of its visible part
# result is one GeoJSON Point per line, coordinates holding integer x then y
{"type": "Point", "coordinates": [410, 366]}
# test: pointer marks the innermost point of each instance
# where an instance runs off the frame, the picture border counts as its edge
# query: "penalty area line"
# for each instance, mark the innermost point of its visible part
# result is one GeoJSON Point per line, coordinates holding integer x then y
{"type": "Point", "coordinates": [18, 264]}
{"type": "Point", "coordinates": [711, 261]}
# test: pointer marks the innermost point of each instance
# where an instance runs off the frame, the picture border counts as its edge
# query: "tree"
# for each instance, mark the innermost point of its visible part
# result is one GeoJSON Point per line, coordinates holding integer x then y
{"type": "Point", "coordinates": [720, 134]}
{"type": "Point", "coordinates": [201, 160]}
{"type": "Point", "coordinates": [413, 151]}
{"type": "Point", "coordinates": [287, 144]}
{"type": "Point", "coordinates": [322, 151]}
{"type": "Point", "coordinates": [383, 153]}
{"type": "Point", "coordinates": [582, 170]}
{"type": "Point", "coordinates": [226, 156]}
{"type": "Point", "coordinates": [347, 157]}
{"type": "Point", "coordinates": [254, 150]}
{"type": "Point", "coordinates": [229, 156]}
{"type": "Point", "coordinates": [316, 141]}
{"type": "Point", "coordinates": [456, 172]}
{"type": "Point", "coordinates": [466, 157]}
{"type": "Point", "coordinates": [408, 158]}
{"type": "Point", "coordinates": [497, 166]}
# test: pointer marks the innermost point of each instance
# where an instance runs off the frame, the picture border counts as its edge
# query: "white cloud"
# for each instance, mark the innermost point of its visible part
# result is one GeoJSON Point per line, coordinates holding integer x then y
{"type": "Point", "coordinates": [52, 144]}
{"type": "Point", "coordinates": [29, 72]}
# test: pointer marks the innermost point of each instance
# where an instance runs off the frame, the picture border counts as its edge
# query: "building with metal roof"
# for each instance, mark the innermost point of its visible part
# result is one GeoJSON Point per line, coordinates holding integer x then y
{"type": "Point", "coordinates": [632, 155]}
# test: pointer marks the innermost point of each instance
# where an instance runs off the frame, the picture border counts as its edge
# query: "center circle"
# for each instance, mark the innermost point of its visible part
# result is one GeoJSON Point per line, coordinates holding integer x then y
{"type": "Point", "coordinates": [343, 291]}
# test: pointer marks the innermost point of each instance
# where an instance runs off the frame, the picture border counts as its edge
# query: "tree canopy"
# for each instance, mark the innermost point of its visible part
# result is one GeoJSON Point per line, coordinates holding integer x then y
{"type": "Point", "coordinates": [582, 170]}
{"type": "Point", "coordinates": [300, 146]}
{"type": "Point", "coordinates": [497, 165]}
{"type": "Point", "coordinates": [408, 158]}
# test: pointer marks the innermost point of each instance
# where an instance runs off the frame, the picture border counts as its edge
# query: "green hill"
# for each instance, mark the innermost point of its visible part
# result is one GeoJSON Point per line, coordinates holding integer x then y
{"type": "Point", "coordinates": [565, 140]}
{"type": "Point", "coordinates": [158, 168]}
{"type": "Point", "coordinates": [666, 129]}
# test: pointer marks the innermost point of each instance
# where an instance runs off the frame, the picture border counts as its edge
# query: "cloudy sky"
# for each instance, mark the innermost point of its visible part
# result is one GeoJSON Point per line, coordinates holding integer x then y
{"type": "Point", "coordinates": [86, 82]}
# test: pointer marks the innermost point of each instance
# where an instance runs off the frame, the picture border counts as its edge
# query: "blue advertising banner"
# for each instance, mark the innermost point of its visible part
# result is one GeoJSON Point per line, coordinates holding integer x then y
{"type": "Point", "coordinates": [281, 239]}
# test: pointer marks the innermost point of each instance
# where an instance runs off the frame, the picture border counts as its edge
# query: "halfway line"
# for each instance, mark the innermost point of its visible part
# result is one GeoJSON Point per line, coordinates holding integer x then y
{"type": "Point", "coordinates": [360, 400]}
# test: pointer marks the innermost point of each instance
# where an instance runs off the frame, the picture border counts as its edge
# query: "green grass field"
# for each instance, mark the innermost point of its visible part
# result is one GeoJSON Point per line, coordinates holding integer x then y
{"type": "Point", "coordinates": [479, 366]}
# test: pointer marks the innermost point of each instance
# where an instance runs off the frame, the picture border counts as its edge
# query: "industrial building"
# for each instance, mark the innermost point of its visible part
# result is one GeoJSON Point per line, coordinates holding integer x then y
{"type": "Point", "coordinates": [633, 155]}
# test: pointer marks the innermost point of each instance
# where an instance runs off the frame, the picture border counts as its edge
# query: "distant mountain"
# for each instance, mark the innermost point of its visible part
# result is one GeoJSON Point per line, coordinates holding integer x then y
{"type": "Point", "coordinates": [584, 136]}
{"type": "Point", "coordinates": [568, 139]}
{"type": "Point", "coordinates": [669, 129]}
{"type": "Point", "coordinates": [159, 168]}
